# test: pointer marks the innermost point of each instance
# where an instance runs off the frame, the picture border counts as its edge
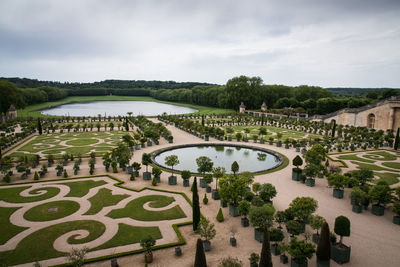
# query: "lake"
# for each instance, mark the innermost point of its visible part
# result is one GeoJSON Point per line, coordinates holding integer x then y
{"type": "Point", "coordinates": [115, 108]}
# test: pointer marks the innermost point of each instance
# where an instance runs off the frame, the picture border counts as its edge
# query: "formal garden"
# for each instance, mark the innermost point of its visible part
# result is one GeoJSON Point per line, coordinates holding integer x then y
{"type": "Point", "coordinates": [41, 221]}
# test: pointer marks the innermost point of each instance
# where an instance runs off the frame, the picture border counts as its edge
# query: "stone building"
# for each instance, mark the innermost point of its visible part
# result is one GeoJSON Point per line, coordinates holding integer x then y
{"type": "Point", "coordinates": [11, 114]}
{"type": "Point", "coordinates": [381, 115]}
{"type": "Point", "coordinates": [242, 108]}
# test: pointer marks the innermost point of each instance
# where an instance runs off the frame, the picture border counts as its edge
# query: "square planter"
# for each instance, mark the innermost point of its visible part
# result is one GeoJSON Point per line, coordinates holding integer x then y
{"type": "Point", "coordinates": [310, 182]}
{"type": "Point", "coordinates": [137, 147]}
{"type": "Point", "coordinates": [186, 183]}
{"type": "Point", "coordinates": [338, 193]}
{"type": "Point", "coordinates": [315, 238]}
{"type": "Point", "coordinates": [229, 138]}
{"type": "Point", "coordinates": [158, 179]}
{"type": "Point", "coordinates": [294, 263]}
{"type": "Point", "coordinates": [149, 143]}
{"type": "Point", "coordinates": [136, 173]}
{"type": "Point", "coordinates": [396, 219]}
{"type": "Point", "coordinates": [258, 235]}
{"type": "Point", "coordinates": [215, 194]}
{"type": "Point", "coordinates": [296, 175]}
{"type": "Point", "coordinates": [297, 149]}
{"type": "Point", "coordinates": [284, 259]}
{"type": "Point", "coordinates": [76, 172]}
{"type": "Point", "coordinates": [207, 245]}
{"type": "Point", "coordinates": [203, 183]}
{"type": "Point", "coordinates": [262, 141]}
{"type": "Point", "coordinates": [279, 144]}
{"type": "Point", "coordinates": [357, 208]}
{"type": "Point", "coordinates": [146, 175]}
{"type": "Point", "coordinates": [129, 170]}
{"type": "Point", "coordinates": [223, 204]}
{"type": "Point", "coordinates": [275, 250]}
{"type": "Point", "coordinates": [233, 211]}
{"type": "Point", "coordinates": [206, 138]}
{"type": "Point", "coordinates": [341, 254]}
{"type": "Point", "coordinates": [208, 189]}
{"type": "Point", "coordinates": [245, 222]}
{"type": "Point", "coordinates": [172, 180]}
{"type": "Point", "coordinates": [378, 210]}
{"type": "Point", "coordinates": [178, 251]}
{"type": "Point", "coordinates": [232, 241]}
{"type": "Point", "coordinates": [321, 263]}
{"type": "Point", "coordinates": [143, 145]}
{"type": "Point", "coordinates": [320, 175]}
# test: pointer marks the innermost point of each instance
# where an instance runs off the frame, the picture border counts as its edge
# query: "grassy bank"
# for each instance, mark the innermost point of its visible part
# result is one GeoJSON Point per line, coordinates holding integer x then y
{"type": "Point", "coordinates": [30, 111]}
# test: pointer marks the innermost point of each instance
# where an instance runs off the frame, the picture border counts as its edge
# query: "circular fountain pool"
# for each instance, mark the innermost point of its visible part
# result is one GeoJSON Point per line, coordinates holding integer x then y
{"type": "Point", "coordinates": [252, 159]}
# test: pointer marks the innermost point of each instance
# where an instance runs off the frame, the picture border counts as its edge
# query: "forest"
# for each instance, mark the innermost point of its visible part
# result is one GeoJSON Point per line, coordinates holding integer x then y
{"type": "Point", "coordinates": [249, 90]}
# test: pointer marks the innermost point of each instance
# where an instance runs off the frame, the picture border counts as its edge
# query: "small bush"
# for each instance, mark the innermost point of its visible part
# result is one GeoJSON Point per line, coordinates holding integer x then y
{"type": "Point", "coordinates": [220, 216]}
{"type": "Point", "coordinates": [65, 174]}
{"type": "Point", "coordinates": [36, 176]}
{"type": "Point", "coordinates": [154, 182]}
{"type": "Point", "coordinates": [205, 199]}
{"type": "Point", "coordinates": [7, 178]}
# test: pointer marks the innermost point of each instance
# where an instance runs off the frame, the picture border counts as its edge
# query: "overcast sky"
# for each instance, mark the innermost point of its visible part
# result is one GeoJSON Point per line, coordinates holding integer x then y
{"type": "Point", "coordinates": [344, 43]}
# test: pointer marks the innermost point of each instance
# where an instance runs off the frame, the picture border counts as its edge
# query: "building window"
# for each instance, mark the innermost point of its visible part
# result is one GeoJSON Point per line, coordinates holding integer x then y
{"type": "Point", "coordinates": [371, 121]}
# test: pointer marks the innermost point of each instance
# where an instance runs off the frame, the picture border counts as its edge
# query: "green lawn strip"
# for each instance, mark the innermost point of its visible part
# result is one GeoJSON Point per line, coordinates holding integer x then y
{"type": "Point", "coordinates": [370, 166]}
{"type": "Point", "coordinates": [7, 229]}
{"type": "Point", "coordinates": [39, 245]}
{"type": "Point", "coordinates": [393, 165]}
{"type": "Point", "coordinates": [383, 156]}
{"type": "Point", "coordinates": [390, 178]}
{"type": "Point", "coordinates": [41, 213]}
{"type": "Point", "coordinates": [355, 157]}
{"type": "Point", "coordinates": [128, 234]}
{"type": "Point", "coordinates": [103, 198]}
{"type": "Point", "coordinates": [142, 214]}
{"type": "Point", "coordinates": [81, 188]}
{"type": "Point", "coordinates": [29, 111]}
{"type": "Point", "coordinates": [12, 195]}
{"type": "Point", "coordinates": [82, 142]}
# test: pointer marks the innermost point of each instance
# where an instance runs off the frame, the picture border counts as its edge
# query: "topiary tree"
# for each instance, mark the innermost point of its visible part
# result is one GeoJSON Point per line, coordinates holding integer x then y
{"type": "Point", "coordinates": [205, 199]}
{"type": "Point", "coordinates": [294, 227]}
{"type": "Point", "coordinates": [204, 164]}
{"type": "Point", "coordinates": [156, 171]}
{"type": "Point", "coordinates": [235, 167]}
{"type": "Point", "coordinates": [280, 218]}
{"type": "Point", "coordinates": [324, 244]}
{"type": "Point", "coordinates": [196, 206]}
{"type": "Point", "coordinates": [206, 230]}
{"type": "Point", "coordinates": [244, 208]}
{"type": "Point", "coordinates": [232, 189]}
{"type": "Point", "coordinates": [230, 262]}
{"type": "Point", "coordinates": [146, 160]}
{"type": "Point", "coordinates": [337, 180]}
{"type": "Point", "coordinates": [200, 258]}
{"type": "Point", "coordinates": [380, 193]}
{"type": "Point", "coordinates": [316, 222]}
{"type": "Point", "coordinates": [342, 227]}
{"type": "Point", "coordinates": [297, 161]}
{"type": "Point", "coordinates": [267, 192]}
{"type": "Point", "coordinates": [218, 173]}
{"type": "Point", "coordinates": [256, 187]}
{"type": "Point", "coordinates": [171, 161]}
{"type": "Point", "coordinates": [276, 235]}
{"type": "Point", "coordinates": [358, 196]}
{"type": "Point", "coordinates": [220, 216]}
{"type": "Point", "coordinates": [303, 207]}
{"type": "Point", "coordinates": [262, 217]}
{"type": "Point", "coordinates": [300, 250]}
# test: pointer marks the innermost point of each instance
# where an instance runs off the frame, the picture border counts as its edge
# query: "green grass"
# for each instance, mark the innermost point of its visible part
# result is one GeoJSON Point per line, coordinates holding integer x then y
{"type": "Point", "coordinates": [12, 195]}
{"type": "Point", "coordinates": [142, 214]}
{"type": "Point", "coordinates": [82, 142]}
{"type": "Point", "coordinates": [355, 157]}
{"type": "Point", "coordinates": [81, 188]}
{"type": "Point", "coordinates": [393, 165]}
{"type": "Point", "coordinates": [39, 245]}
{"type": "Point", "coordinates": [103, 198]}
{"type": "Point", "coordinates": [369, 166]}
{"type": "Point", "coordinates": [8, 230]}
{"type": "Point", "coordinates": [390, 178]}
{"type": "Point", "coordinates": [128, 234]}
{"type": "Point", "coordinates": [40, 213]}
{"type": "Point", "coordinates": [29, 111]}
{"type": "Point", "coordinates": [381, 155]}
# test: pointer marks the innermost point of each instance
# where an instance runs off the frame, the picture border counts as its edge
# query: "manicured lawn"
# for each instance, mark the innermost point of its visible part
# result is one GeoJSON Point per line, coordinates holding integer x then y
{"type": "Point", "coordinates": [8, 230]}
{"type": "Point", "coordinates": [369, 166]}
{"type": "Point", "coordinates": [381, 155]}
{"type": "Point", "coordinates": [12, 195]}
{"type": "Point", "coordinates": [142, 214]}
{"type": "Point", "coordinates": [39, 245]}
{"type": "Point", "coordinates": [355, 157]}
{"type": "Point", "coordinates": [81, 188]}
{"type": "Point", "coordinates": [42, 213]}
{"type": "Point", "coordinates": [128, 234]}
{"type": "Point", "coordinates": [103, 198]}
{"type": "Point", "coordinates": [390, 178]}
{"type": "Point", "coordinates": [82, 142]}
{"type": "Point", "coordinates": [29, 110]}
{"type": "Point", "coordinates": [393, 165]}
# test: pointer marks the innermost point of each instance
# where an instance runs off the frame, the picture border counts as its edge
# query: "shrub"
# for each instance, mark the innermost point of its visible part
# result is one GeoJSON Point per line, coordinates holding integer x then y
{"type": "Point", "coordinates": [294, 227]}
{"type": "Point", "coordinates": [205, 199]}
{"type": "Point", "coordinates": [244, 208]}
{"type": "Point", "coordinates": [206, 229]}
{"type": "Point", "coordinates": [230, 262]}
{"type": "Point", "coordinates": [7, 178]}
{"type": "Point", "coordinates": [297, 161]}
{"type": "Point", "coordinates": [300, 250]}
{"type": "Point", "coordinates": [254, 258]}
{"type": "Point", "coordinates": [317, 222]}
{"type": "Point", "coordinates": [275, 235]}
{"type": "Point", "coordinates": [220, 216]}
{"type": "Point", "coordinates": [324, 244]}
{"type": "Point", "coordinates": [342, 227]}
{"type": "Point", "coordinates": [36, 176]}
{"type": "Point", "coordinates": [65, 174]}
{"type": "Point", "coordinates": [267, 192]}
{"type": "Point", "coordinates": [358, 196]}
{"type": "Point", "coordinates": [380, 193]}
{"type": "Point", "coordinates": [154, 181]}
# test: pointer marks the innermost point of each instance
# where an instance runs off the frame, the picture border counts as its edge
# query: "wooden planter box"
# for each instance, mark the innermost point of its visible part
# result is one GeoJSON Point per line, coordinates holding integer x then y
{"type": "Point", "coordinates": [396, 219]}
{"type": "Point", "coordinates": [341, 255]}
{"type": "Point", "coordinates": [378, 210]}
{"type": "Point", "coordinates": [203, 183]}
{"type": "Point", "coordinates": [146, 175]}
{"type": "Point", "coordinates": [310, 182]}
{"type": "Point", "coordinates": [207, 245]}
{"type": "Point", "coordinates": [293, 263]}
{"type": "Point", "coordinates": [357, 208]}
{"type": "Point", "coordinates": [233, 211]}
{"type": "Point", "coordinates": [215, 194]}
{"type": "Point", "coordinates": [244, 221]}
{"type": "Point", "coordinates": [172, 180]}
{"type": "Point", "coordinates": [186, 183]}
{"type": "Point", "coordinates": [258, 235]}
{"type": "Point", "coordinates": [296, 175]}
{"type": "Point", "coordinates": [338, 193]}
{"type": "Point", "coordinates": [223, 204]}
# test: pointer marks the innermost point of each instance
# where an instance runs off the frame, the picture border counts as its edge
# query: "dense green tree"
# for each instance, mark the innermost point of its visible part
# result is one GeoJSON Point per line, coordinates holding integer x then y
{"type": "Point", "coordinates": [10, 95]}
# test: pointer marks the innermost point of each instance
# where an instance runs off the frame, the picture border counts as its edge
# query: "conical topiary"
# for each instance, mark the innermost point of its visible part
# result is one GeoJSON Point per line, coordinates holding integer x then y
{"type": "Point", "coordinates": [220, 216]}
{"type": "Point", "coordinates": [324, 244]}
{"type": "Point", "coordinates": [200, 260]}
{"type": "Point", "coordinates": [196, 206]}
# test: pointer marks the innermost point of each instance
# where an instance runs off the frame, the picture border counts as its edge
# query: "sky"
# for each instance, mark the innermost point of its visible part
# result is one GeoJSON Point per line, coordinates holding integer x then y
{"type": "Point", "coordinates": [328, 43]}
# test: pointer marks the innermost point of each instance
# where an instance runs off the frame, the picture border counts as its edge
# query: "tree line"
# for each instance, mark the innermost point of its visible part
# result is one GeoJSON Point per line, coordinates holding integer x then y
{"type": "Point", "coordinates": [249, 90]}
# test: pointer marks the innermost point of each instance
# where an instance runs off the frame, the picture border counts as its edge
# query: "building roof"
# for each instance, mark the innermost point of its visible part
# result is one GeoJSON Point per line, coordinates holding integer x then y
{"type": "Point", "coordinates": [263, 105]}
{"type": "Point", "coordinates": [242, 105]}
{"type": "Point", "coordinates": [12, 108]}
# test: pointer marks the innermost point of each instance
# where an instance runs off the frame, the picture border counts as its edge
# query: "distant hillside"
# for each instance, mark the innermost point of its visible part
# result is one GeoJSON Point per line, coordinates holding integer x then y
{"type": "Point", "coordinates": [355, 91]}
{"type": "Point", "coordinates": [108, 84]}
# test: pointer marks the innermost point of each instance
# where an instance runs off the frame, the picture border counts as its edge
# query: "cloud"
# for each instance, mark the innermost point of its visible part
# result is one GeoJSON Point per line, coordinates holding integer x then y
{"type": "Point", "coordinates": [316, 42]}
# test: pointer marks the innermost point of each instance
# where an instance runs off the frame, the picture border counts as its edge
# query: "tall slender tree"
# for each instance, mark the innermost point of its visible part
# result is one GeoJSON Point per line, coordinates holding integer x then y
{"type": "Point", "coordinates": [265, 260]}
{"type": "Point", "coordinates": [397, 139]}
{"type": "Point", "coordinates": [200, 260]}
{"type": "Point", "coordinates": [196, 206]}
{"type": "Point", "coordinates": [39, 126]}
{"type": "Point", "coordinates": [324, 244]}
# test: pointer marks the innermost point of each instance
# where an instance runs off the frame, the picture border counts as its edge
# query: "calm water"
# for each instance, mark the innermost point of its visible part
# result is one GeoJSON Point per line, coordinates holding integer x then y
{"type": "Point", "coordinates": [222, 156]}
{"type": "Point", "coordinates": [115, 108]}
